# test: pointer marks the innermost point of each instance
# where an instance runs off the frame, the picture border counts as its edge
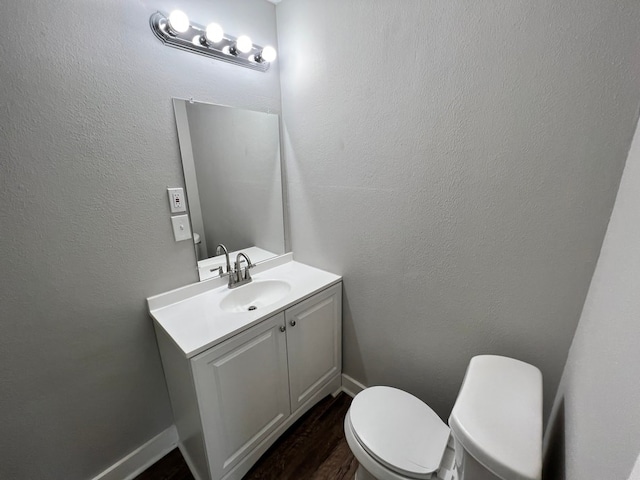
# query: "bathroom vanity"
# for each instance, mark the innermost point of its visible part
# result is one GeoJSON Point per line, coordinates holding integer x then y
{"type": "Point", "coordinates": [243, 364]}
{"type": "Point", "coordinates": [243, 358]}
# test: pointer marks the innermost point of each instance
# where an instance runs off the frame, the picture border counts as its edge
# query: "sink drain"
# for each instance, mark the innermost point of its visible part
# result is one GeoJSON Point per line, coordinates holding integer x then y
{"type": "Point", "coordinates": [251, 308]}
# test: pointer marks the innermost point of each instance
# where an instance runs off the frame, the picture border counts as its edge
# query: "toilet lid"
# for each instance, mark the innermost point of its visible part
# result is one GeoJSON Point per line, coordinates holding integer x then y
{"type": "Point", "coordinates": [399, 430]}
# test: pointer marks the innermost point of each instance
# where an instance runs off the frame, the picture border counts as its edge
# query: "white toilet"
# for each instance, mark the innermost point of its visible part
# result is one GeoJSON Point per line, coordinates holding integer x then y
{"type": "Point", "coordinates": [495, 428]}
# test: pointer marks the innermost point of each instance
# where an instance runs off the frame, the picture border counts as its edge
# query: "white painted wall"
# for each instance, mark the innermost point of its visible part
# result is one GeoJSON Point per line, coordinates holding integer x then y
{"type": "Point", "coordinates": [599, 397]}
{"type": "Point", "coordinates": [457, 162]}
{"type": "Point", "coordinates": [88, 147]}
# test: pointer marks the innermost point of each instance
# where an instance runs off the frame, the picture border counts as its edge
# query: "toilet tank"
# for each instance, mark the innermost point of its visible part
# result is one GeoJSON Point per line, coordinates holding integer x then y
{"type": "Point", "coordinates": [497, 419]}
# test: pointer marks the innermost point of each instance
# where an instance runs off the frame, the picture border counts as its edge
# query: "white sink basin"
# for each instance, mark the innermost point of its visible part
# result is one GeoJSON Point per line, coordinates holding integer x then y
{"type": "Point", "coordinates": [254, 295]}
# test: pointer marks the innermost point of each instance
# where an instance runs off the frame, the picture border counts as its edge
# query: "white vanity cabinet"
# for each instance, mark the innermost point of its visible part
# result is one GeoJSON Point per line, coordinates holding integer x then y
{"type": "Point", "coordinates": [233, 400]}
{"type": "Point", "coordinates": [242, 387]}
{"type": "Point", "coordinates": [314, 344]}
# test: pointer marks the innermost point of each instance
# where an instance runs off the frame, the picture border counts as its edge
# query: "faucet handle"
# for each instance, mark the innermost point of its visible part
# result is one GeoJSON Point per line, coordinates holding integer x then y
{"type": "Point", "coordinates": [220, 271]}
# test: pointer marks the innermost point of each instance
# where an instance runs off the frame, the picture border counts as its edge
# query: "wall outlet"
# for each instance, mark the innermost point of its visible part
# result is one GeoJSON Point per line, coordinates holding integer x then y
{"type": "Point", "coordinates": [181, 227]}
{"type": "Point", "coordinates": [176, 200]}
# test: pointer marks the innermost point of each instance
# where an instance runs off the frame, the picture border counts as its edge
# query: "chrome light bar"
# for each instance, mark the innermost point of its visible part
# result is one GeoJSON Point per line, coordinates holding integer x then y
{"type": "Point", "coordinates": [193, 38]}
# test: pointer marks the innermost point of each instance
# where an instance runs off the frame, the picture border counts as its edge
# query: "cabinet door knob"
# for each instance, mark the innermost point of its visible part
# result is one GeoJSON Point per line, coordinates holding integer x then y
{"type": "Point", "coordinates": [292, 323]}
{"type": "Point", "coordinates": [282, 328]}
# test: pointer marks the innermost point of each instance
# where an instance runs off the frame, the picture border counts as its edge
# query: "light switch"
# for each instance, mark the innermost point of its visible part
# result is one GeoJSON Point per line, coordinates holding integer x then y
{"type": "Point", "coordinates": [181, 227]}
{"type": "Point", "coordinates": [176, 200]}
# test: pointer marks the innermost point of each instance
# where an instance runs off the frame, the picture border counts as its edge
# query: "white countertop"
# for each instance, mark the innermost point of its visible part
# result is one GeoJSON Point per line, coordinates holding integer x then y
{"type": "Point", "coordinates": [192, 318]}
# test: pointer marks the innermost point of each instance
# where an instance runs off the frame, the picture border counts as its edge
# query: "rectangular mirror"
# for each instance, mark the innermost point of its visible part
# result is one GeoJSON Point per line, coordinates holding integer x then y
{"type": "Point", "coordinates": [233, 178]}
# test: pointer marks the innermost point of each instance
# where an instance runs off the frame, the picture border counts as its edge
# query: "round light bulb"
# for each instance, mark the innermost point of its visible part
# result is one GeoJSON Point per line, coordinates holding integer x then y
{"type": "Point", "coordinates": [179, 21]}
{"type": "Point", "coordinates": [268, 54]}
{"type": "Point", "coordinates": [244, 44]}
{"type": "Point", "coordinates": [214, 32]}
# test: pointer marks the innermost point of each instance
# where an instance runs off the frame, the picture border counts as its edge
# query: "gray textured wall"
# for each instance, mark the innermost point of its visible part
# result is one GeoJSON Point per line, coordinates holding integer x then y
{"type": "Point", "coordinates": [457, 162]}
{"type": "Point", "coordinates": [88, 147]}
{"type": "Point", "coordinates": [599, 396]}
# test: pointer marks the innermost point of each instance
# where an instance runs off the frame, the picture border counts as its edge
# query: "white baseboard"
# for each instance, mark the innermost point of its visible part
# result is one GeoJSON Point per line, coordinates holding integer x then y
{"type": "Point", "coordinates": [142, 457]}
{"type": "Point", "coordinates": [350, 386]}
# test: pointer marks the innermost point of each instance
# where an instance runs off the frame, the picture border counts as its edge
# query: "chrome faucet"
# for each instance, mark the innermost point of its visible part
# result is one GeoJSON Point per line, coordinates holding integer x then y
{"type": "Point", "coordinates": [238, 278]}
{"type": "Point", "coordinates": [226, 256]}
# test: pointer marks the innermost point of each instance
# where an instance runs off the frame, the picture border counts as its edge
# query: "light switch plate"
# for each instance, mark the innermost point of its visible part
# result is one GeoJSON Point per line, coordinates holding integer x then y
{"type": "Point", "coordinates": [176, 200]}
{"type": "Point", "coordinates": [181, 227]}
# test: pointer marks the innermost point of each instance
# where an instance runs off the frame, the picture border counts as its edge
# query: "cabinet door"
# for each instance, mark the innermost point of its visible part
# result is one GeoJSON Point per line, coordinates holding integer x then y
{"type": "Point", "coordinates": [314, 343]}
{"type": "Point", "coordinates": [242, 389]}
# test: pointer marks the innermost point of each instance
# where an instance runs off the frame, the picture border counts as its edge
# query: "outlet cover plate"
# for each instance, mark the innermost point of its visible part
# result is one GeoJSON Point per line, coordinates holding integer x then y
{"type": "Point", "coordinates": [176, 200]}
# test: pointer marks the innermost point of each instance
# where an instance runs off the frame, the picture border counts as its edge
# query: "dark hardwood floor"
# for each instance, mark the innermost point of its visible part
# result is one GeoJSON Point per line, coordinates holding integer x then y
{"type": "Point", "coordinates": [169, 467]}
{"type": "Point", "coordinates": [313, 448]}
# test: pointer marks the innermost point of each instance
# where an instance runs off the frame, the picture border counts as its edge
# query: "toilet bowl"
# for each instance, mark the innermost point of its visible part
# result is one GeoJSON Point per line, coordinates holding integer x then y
{"type": "Point", "coordinates": [494, 432]}
{"type": "Point", "coordinates": [407, 439]}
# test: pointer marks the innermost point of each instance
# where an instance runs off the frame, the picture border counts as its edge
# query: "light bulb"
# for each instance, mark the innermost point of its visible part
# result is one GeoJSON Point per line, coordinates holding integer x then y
{"type": "Point", "coordinates": [178, 21]}
{"type": "Point", "coordinates": [214, 33]}
{"type": "Point", "coordinates": [244, 44]}
{"type": "Point", "coordinates": [268, 54]}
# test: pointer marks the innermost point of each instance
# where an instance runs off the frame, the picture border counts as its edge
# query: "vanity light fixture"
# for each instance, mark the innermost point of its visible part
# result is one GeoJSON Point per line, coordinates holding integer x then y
{"type": "Point", "coordinates": [178, 22]}
{"type": "Point", "coordinates": [268, 54]}
{"type": "Point", "coordinates": [176, 31]}
{"type": "Point", "coordinates": [244, 44]}
{"type": "Point", "coordinates": [214, 33]}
